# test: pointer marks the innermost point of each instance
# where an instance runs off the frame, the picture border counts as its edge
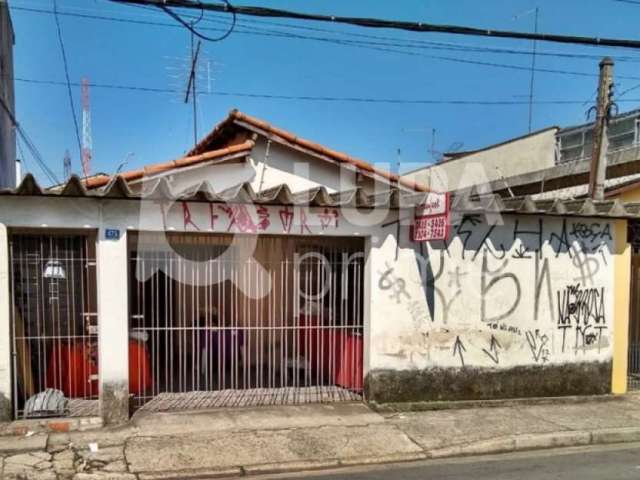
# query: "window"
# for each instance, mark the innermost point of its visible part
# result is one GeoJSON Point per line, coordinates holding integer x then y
{"type": "Point", "coordinates": [577, 145]}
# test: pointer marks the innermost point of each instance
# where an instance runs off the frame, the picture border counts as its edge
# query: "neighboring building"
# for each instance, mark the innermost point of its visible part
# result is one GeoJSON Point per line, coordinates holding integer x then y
{"type": "Point", "coordinates": [190, 290]}
{"type": "Point", "coordinates": [538, 160]}
{"type": "Point", "coordinates": [520, 155]}
{"type": "Point", "coordinates": [7, 127]}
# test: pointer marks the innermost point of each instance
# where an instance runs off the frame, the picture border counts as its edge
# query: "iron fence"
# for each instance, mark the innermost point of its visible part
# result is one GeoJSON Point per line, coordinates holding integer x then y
{"type": "Point", "coordinates": [288, 318]}
{"type": "Point", "coordinates": [54, 324]}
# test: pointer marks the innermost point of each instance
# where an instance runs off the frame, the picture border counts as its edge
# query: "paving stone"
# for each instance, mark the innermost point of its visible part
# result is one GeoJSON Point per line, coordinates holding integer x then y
{"type": "Point", "coordinates": [104, 455]}
{"type": "Point", "coordinates": [118, 466]}
{"type": "Point", "coordinates": [11, 444]}
{"type": "Point", "coordinates": [41, 455]}
{"type": "Point", "coordinates": [65, 456]}
{"type": "Point", "coordinates": [28, 459]}
{"type": "Point", "coordinates": [44, 465]}
{"type": "Point", "coordinates": [104, 476]}
{"type": "Point", "coordinates": [25, 472]}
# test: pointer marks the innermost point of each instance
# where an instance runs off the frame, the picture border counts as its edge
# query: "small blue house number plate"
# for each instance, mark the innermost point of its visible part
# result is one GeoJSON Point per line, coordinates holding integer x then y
{"type": "Point", "coordinates": [112, 234]}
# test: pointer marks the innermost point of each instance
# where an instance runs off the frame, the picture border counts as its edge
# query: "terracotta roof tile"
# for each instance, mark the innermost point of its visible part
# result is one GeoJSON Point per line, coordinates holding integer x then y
{"type": "Point", "coordinates": [153, 169]}
{"type": "Point", "coordinates": [237, 116]}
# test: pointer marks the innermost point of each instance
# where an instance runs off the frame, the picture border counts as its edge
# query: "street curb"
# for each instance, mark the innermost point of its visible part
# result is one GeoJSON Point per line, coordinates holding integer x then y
{"type": "Point", "coordinates": [539, 441]}
{"type": "Point", "coordinates": [615, 435]}
{"type": "Point", "coordinates": [509, 444]}
{"type": "Point", "coordinates": [191, 474]}
{"type": "Point", "coordinates": [398, 407]}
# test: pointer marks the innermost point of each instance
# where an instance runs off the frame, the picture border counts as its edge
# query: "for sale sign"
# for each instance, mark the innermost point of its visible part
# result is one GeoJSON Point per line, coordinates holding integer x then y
{"type": "Point", "coordinates": [432, 218]}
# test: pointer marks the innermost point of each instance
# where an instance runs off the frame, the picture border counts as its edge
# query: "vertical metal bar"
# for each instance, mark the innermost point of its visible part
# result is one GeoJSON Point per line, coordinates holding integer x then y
{"type": "Point", "coordinates": [14, 311]}
{"type": "Point", "coordinates": [221, 316]}
{"type": "Point", "coordinates": [317, 292]}
{"type": "Point", "coordinates": [285, 322]}
{"type": "Point", "coordinates": [171, 318]}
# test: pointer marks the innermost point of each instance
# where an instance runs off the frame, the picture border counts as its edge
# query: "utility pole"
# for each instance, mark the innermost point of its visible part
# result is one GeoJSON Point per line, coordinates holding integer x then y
{"type": "Point", "coordinates": [597, 174]}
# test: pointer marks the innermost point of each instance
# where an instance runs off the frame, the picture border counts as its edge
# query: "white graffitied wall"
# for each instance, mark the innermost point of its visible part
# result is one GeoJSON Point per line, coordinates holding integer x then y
{"type": "Point", "coordinates": [533, 290]}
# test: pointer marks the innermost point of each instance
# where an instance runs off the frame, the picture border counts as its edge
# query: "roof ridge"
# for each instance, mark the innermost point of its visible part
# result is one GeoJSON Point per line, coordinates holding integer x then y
{"type": "Point", "coordinates": [237, 115]}
{"type": "Point", "coordinates": [155, 168]}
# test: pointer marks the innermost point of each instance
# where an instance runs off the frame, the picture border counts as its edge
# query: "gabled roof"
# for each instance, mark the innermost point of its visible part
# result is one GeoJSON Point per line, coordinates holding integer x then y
{"type": "Point", "coordinates": [237, 121]}
{"type": "Point", "coordinates": [227, 153]}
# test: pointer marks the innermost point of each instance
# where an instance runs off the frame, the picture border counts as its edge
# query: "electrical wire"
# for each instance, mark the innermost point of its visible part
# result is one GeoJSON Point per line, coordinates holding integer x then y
{"type": "Point", "coordinates": [628, 90]}
{"type": "Point", "coordinates": [193, 30]}
{"type": "Point", "coordinates": [378, 46]}
{"type": "Point", "coordinates": [389, 24]}
{"type": "Point", "coordinates": [23, 157]}
{"type": "Point", "coordinates": [35, 153]}
{"type": "Point", "coordinates": [312, 98]}
{"type": "Point", "coordinates": [66, 73]}
{"type": "Point", "coordinates": [409, 43]}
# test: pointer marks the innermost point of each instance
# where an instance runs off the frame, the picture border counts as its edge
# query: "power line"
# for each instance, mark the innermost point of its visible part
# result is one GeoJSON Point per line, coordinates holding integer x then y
{"type": "Point", "coordinates": [35, 153]}
{"type": "Point", "coordinates": [378, 46]}
{"type": "Point", "coordinates": [388, 24]}
{"type": "Point", "coordinates": [312, 98]}
{"type": "Point", "coordinates": [407, 43]}
{"type": "Point", "coordinates": [628, 90]}
{"type": "Point", "coordinates": [66, 73]}
{"type": "Point", "coordinates": [191, 26]}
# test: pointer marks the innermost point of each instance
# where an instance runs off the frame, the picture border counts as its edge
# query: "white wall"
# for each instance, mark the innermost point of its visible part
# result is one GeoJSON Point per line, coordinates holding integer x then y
{"type": "Point", "coordinates": [520, 156]}
{"type": "Point", "coordinates": [283, 165]}
{"type": "Point", "coordinates": [503, 304]}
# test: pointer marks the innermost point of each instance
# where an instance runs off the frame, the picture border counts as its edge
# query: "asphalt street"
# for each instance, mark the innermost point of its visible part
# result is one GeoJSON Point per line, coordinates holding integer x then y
{"type": "Point", "coordinates": [618, 462]}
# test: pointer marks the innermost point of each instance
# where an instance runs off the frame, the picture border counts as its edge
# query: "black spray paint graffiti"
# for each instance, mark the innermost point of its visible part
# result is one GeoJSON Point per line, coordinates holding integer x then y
{"type": "Point", "coordinates": [578, 240]}
{"type": "Point", "coordinates": [542, 278]}
{"type": "Point", "coordinates": [492, 352]}
{"type": "Point", "coordinates": [397, 285]}
{"type": "Point", "coordinates": [477, 236]}
{"type": "Point", "coordinates": [459, 349]}
{"type": "Point", "coordinates": [502, 278]}
{"type": "Point", "coordinates": [591, 231]}
{"type": "Point", "coordinates": [588, 265]}
{"type": "Point", "coordinates": [495, 279]}
{"type": "Point", "coordinates": [524, 251]}
{"type": "Point", "coordinates": [538, 345]}
{"type": "Point", "coordinates": [582, 310]}
{"type": "Point", "coordinates": [429, 281]}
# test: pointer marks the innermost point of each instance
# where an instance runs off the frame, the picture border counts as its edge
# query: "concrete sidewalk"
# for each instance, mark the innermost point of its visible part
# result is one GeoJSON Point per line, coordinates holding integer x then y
{"type": "Point", "coordinates": [235, 442]}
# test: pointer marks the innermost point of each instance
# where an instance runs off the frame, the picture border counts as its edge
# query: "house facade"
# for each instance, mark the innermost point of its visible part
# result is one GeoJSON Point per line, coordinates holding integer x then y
{"type": "Point", "coordinates": [152, 290]}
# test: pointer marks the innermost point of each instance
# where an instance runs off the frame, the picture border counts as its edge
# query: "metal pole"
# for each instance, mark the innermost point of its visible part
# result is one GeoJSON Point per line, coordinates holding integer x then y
{"type": "Point", "coordinates": [597, 174]}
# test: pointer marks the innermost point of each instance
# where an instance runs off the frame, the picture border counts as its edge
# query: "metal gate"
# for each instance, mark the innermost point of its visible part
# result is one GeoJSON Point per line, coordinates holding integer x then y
{"type": "Point", "coordinates": [54, 325]}
{"type": "Point", "coordinates": [633, 368]}
{"type": "Point", "coordinates": [213, 325]}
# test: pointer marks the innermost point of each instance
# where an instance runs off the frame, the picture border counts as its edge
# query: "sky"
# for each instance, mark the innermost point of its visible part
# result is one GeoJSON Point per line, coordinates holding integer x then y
{"type": "Point", "coordinates": [265, 57]}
